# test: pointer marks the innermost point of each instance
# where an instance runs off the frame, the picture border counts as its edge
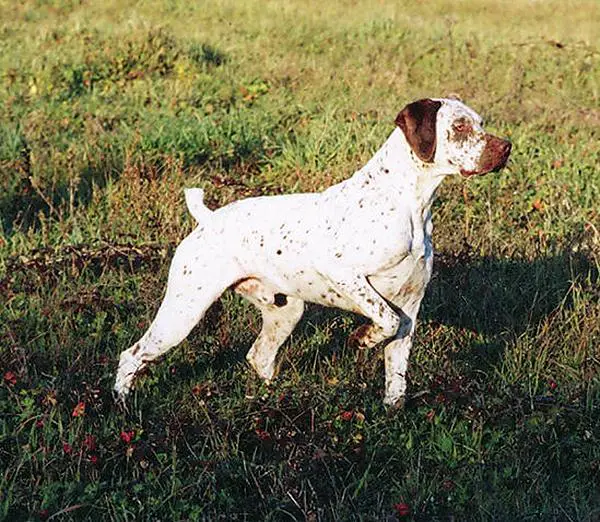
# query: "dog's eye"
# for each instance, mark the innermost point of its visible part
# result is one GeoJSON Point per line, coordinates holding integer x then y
{"type": "Point", "coordinates": [460, 126]}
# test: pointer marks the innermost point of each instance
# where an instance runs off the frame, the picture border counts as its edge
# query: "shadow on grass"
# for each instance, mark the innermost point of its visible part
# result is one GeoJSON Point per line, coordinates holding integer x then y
{"type": "Point", "coordinates": [493, 296]}
{"type": "Point", "coordinates": [497, 298]}
{"type": "Point", "coordinates": [500, 299]}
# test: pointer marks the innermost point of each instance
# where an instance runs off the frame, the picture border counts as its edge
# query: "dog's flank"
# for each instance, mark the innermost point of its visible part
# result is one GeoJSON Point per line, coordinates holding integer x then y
{"type": "Point", "coordinates": [363, 245]}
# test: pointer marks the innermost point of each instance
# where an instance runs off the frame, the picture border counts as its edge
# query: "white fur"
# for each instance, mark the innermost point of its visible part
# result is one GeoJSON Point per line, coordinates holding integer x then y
{"type": "Point", "coordinates": [362, 245]}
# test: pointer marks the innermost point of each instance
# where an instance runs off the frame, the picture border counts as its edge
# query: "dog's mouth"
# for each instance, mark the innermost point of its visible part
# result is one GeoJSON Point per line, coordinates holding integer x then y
{"type": "Point", "coordinates": [494, 157]}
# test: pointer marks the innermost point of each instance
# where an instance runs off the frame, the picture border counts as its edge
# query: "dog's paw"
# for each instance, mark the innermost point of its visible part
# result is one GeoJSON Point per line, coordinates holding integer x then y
{"type": "Point", "coordinates": [123, 386]}
{"type": "Point", "coordinates": [365, 336]}
{"type": "Point", "coordinates": [129, 366]}
{"type": "Point", "coordinates": [120, 398]}
{"type": "Point", "coordinates": [266, 373]}
{"type": "Point", "coordinates": [394, 403]}
{"type": "Point", "coordinates": [122, 389]}
{"type": "Point", "coordinates": [266, 370]}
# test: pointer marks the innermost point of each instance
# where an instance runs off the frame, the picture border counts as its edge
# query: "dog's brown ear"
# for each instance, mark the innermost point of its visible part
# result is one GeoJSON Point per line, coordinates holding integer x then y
{"type": "Point", "coordinates": [417, 121]}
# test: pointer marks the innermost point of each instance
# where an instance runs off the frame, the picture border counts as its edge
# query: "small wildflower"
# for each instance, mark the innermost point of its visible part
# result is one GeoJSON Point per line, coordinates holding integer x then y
{"type": "Point", "coordinates": [538, 205]}
{"type": "Point", "coordinates": [347, 415]}
{"type": "Point", "coordinates": [448, 485]}
{"type": "Point", "coordinates": [319, 454]}
{"type": "Point", "coordinates": [262, 434]}
{"type": "Point", "coordinates": [402, 509]}
{"type": "Point", "coordinates": [79, 410]}
{"type": "Point", "coordinates": [127, 436]}
{"type": "Point", "coordinates": [67, 448]}
{"type": "Point", "coordinates": [50, 399]}
{"type": "Point", "coordinates": [94, 459]}
{"type": "Point", "coordinates": [552, 384]}
{"type": "Point", "coordinates": [89, 442]}
{"type": "Point", "coordinates": [455, 386]}
{"type": "Point", "coordinates": [10, 378]}
{"type": "Point", "coordinates": [39, 423]}
{"type": "Point", "coordinates": [430, 415]}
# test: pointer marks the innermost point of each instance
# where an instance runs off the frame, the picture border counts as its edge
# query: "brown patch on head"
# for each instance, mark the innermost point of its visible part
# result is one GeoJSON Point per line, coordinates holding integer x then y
{"type": "Point", "coordinates": [418, 123]}
{"type": "Point", "coordinates": [462, 130]}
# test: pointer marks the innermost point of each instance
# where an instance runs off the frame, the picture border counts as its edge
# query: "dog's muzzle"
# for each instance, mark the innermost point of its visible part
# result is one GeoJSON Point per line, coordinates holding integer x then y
{"type": "Point", "coordinates": [494, 157]}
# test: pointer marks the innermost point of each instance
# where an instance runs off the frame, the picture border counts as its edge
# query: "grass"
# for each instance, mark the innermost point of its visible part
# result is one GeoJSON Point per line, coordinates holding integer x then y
{"type": "Point", "coordinates": [108, 110]}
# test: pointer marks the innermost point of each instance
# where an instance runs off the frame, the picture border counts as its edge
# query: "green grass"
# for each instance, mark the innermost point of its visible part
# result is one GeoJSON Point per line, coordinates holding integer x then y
{"type": "Point", "coordinates": [109, 109]}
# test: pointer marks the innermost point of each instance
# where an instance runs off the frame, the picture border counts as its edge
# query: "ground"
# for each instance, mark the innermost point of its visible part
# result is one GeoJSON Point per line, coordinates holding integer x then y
{"type": "Point", "coordinates": [109, 109]}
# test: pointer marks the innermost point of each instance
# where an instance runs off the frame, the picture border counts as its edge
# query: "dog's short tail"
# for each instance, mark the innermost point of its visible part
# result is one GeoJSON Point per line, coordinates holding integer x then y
{"type": "Point", "coordinates": [194, 199]}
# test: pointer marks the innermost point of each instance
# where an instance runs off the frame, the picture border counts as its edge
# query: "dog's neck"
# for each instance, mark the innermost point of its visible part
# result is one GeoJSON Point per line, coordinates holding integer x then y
{"type": "Point", "coordinates": [395, 162]}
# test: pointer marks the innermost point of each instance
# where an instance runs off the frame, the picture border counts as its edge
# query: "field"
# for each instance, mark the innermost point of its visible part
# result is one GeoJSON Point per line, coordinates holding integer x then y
{"type": "Point", "coordinates": [109, 109]}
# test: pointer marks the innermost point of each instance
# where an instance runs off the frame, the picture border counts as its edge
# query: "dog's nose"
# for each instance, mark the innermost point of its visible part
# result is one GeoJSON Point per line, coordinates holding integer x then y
{"type": "Point", "coordinates": [505, 149]}
{"type": "Point", "coordinates": [499, 146]}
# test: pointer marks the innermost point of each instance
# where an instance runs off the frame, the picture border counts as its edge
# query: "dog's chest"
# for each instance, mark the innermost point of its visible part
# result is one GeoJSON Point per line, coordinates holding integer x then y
{"type": "Point", "coordinates": [409, 276]}
{"type": "Point", "coordinates": [401, 278]}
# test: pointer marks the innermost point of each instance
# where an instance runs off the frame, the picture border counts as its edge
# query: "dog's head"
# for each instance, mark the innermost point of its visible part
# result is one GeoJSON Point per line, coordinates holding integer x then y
{"type": "Point", "coordinates": [447, 133]}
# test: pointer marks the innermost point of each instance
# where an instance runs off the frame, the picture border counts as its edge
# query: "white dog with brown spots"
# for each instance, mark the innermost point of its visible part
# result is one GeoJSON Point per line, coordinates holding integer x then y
{"type": "Point", "coordinates": [362, 245]}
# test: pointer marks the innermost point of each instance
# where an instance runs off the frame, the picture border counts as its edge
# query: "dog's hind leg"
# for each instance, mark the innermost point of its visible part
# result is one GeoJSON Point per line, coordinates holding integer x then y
{"type": "Point", "coordinates": [195, 282]}
{"type": "Point", "coordinates": [280, 314]}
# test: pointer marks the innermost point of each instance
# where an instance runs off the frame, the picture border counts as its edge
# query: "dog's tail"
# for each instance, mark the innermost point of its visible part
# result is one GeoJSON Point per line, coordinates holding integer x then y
{"type": "Point", "coordinates": [194, 200]}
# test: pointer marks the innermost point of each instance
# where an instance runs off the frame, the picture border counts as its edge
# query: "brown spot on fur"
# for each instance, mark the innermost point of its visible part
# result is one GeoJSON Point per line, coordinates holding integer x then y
{"type": "Point", "coordinates": [280, 300]}
{"type": "Point", "coordinates": [246, 286]}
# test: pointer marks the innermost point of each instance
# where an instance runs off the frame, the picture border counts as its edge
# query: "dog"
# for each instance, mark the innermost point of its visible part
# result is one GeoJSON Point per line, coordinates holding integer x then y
{"type": "Point", "coordinates": [363, 245]}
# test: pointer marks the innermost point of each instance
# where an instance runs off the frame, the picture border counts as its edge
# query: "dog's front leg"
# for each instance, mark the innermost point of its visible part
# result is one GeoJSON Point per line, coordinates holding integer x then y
{"type": "Point", "coordinates": [396, 365]}
{"type": "Point", "coordinates": [368, 302]}
{"type": "Point", "coordinates": [398, 349]}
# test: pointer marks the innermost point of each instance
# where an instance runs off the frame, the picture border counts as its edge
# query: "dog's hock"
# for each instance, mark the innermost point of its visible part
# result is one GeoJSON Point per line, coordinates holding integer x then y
{"type": "Point", "coordinates": [194, 199]}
